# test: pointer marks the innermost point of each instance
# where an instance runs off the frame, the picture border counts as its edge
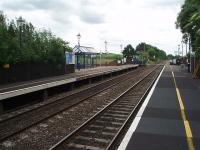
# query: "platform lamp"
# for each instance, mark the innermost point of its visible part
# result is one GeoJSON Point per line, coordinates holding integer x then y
{"type": "Point", "coordinates": [20, 23]}
{"type": "Point", "coordinates": [178, 49]}
{"type": "Point", "coordinates": [78, 60]}
{"type": "Point", "coordinates": [182, 49]}
{"type": "Point", "coordinates": [100, 57]}
{"type": "Point", "coordinates": [121, 48]}
{"type": "Point", "coordinates": [106, 51]}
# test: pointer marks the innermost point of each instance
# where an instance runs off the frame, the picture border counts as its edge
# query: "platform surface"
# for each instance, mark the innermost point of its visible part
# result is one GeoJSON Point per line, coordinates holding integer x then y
{"type": "Point", "coordinates": [161, 126]}
{"type": "Point", "coordinates": [19, 88]}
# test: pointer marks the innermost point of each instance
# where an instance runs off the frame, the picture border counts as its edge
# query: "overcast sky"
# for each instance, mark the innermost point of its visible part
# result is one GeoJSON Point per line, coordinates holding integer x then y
{"type": "Point", "coordinates": [116, 21]}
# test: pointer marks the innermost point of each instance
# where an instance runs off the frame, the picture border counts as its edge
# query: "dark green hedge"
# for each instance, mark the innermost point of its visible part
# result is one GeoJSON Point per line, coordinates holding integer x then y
{"type": "Point", "coordinates": [37, 46]}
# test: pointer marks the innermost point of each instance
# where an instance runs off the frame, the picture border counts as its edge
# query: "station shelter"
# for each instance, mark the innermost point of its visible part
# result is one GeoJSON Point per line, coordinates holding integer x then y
{"type": "Point", "coordinates": [85, 57]}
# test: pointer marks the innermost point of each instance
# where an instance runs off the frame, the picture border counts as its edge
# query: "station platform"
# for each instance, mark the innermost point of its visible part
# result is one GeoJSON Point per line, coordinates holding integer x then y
{"type": "Point", "coordinates": [16, 89]}
{"type": "Point", "coordinates": [169, 117]}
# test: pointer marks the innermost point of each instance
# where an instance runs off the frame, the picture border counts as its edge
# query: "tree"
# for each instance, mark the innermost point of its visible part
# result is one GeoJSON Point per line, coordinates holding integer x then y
{"type": "Point", "coordinates": [4, 40]}
{"type": "Point", "coordinates": [37, 45]}
{"type": "Point", "coordinates": [150, 52]}
{"type": "Point", "coordinates": [141, 47]}
{"type": "Point", "coordinates": [188, 21]}
{"type": "Point", "coordinates": [162, 55]}
{"type": "Point", "coordinates": [170, 56]}
{"type": "Point", "coordinates": [128, 51]}
{"type": "Point", "coordinates": [144, 56]}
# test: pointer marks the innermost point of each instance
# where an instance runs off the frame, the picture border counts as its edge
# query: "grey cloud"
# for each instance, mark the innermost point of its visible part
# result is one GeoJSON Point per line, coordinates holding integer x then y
{"type": "Point", "coordinates": [91, 17]}
{"type": "Point", "coordinates": [91, 13]}
{"type": "Point", "coordinates": [168, 3]}
{"type": "Point", "coordinates": [163, 3]}
{"type": "Point", "coordinates": [59, 10]}
{"type": "Point", "coordinates": [94, 3]}
{"type": "Point", "coordinates": [35, 5]}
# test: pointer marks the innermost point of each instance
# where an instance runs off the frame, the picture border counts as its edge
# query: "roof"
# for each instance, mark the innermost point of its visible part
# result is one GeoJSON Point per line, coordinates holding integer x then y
{"type": "Point", "coordinates": [84, 49]}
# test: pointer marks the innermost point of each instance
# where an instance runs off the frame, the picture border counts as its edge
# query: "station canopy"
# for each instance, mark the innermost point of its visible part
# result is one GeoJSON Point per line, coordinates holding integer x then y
{"type": "Point", "coordinates": [84, 50]}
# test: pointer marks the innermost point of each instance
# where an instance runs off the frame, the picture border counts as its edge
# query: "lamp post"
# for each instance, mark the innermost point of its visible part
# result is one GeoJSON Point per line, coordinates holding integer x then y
{"type": "Point", "coordinates": [121, 47]}
{"type": "Point", "coordinates": [78, 60]}
{"type": "Point", "coordinates": [106, 51]}
{"type": "Point", "coordinates": [79, 37]}
{"type": "Point", "coordinates": [100, 58]}
{"type": "Point", "coordinates": [178, 49]}
{"type": "Point", "coordinates": [190, 58]}
{"type": "Point", "coordinates": [20, 23]}
{"type": "Point", "coordinates": [182, 49]}
{"type": "Point", "coordinates": [143, 53]}
{"type": "Point", "coordinates": [129, 55]}
{"type": "Point", "coordinates": [186, 40]}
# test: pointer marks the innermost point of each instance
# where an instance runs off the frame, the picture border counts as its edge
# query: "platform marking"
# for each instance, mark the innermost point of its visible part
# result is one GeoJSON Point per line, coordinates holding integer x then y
{"type": "Point", "coordinates": [183, 115]}
{"type": "Point", "coordinates": [22, 91]}
{"type": "Point", "coordinates": [12, 93]}
{"type": "Point", "coordinates": [136, 121]}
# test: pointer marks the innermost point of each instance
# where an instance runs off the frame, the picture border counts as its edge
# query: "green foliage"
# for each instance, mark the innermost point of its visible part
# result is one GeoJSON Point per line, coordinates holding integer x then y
{"type": "Point", "coordinates": [152, 53]}
{"type": "Point", "coordinates": [128, 51]}
{"type": "Point", "coordinates": [161, 55]}
{"type": "Point", "coordinates": [141, 47]}
{"type": "Point", "coordinates": [149, 52]}
{"type": "Point", "coordinates": [170, 56]}
{"type": "Point", "coordinates": [143, 56]}
{"type": "Point", "coordinates": [145, 52]}
{"type": "Point", "coordinates": [37, 46]}
{"type": "Point", "coordinates": [108, 57]}
{"type": "Point", "coordinates": [111, 56]}
{"type": "Point", "coordinates": [188, 21]}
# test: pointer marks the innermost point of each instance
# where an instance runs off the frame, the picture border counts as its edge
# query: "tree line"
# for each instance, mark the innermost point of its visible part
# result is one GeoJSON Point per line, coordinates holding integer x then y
{"type": "Point", "coordinates": [144, 51]}
{"type": "Point", "coordinates": [23, 43]}
{"type": "Point", "coordinates": [188, 21]}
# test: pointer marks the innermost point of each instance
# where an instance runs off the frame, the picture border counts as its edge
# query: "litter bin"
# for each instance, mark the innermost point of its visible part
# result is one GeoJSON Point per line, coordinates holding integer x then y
{"type": "Point", "coordinates": [188, 67]}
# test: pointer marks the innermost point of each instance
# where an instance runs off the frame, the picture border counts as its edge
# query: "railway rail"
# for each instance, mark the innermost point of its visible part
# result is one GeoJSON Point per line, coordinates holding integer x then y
{"type": "Point", "coordinates": [101, 131]}
{"type": "Point", "coordinates": [23, 121]}
{"type": "Point", "coordinates": [51, 129]}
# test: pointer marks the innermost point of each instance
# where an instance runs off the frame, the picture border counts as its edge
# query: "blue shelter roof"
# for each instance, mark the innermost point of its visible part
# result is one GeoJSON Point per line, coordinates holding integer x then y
{"type": "Point", "coordinates": [84, 49]}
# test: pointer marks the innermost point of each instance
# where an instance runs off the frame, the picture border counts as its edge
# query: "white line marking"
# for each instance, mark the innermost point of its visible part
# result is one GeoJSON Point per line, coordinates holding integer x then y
{"type": "Point", "coordinates": [22, 91]}
{"type": "Point", "coordinates": [34, 88]}
{"type": "Point", "coordinates": [136, 121]}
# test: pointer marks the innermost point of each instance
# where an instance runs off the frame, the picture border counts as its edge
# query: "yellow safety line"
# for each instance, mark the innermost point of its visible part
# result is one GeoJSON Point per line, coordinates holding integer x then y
{"type": "Point", "coordinates": [183, 115]}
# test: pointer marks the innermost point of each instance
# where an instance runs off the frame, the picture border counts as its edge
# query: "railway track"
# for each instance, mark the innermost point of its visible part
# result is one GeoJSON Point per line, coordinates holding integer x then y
{"type": "Point", "coordinates": [21, 122]}
{"type": "Point", "coordinates": [101, 131]}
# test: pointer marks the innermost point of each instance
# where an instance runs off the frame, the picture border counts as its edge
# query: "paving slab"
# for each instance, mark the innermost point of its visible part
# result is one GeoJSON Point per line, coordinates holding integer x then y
{"type": "Point", "coordinates": [161, 125]}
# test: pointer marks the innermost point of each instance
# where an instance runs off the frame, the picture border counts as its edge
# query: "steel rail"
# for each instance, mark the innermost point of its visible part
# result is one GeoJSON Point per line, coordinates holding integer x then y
{"type": "Point", "coordinates": [53, 114]}
{"type": "Point", "coordinates": [133, 112]}
{"type": "Point", "coordinates": [97, 114]}
{"type": "Point", "coordinates": [59, 99]}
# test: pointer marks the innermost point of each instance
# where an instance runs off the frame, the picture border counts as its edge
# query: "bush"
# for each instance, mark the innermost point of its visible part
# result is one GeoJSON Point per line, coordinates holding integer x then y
{"type": "Point", "coordinates": [36, 46]}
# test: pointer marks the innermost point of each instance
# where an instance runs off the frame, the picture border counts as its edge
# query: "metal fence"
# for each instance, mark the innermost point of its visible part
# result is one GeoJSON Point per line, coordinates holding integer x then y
{"type": "Point", "coordinates": [29, 71]}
